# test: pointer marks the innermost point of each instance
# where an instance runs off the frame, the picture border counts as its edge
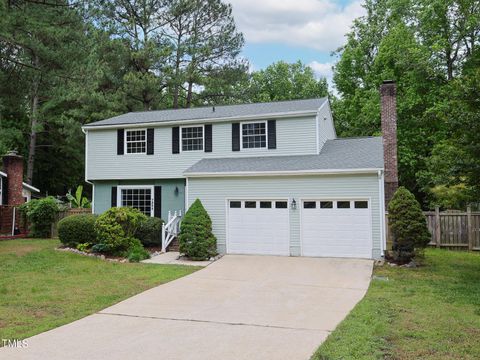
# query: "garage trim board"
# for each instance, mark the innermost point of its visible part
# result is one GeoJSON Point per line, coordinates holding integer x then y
{"type": "Point", "coordinates": [252, 228]}
{"type": "Point", "coordinates": [357, 240]}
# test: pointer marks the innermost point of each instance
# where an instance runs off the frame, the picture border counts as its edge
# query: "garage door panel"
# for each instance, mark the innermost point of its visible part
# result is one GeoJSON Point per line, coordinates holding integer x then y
{"type": "Point", "coordinates": [258, 230]}
{"type": "Point", "coordinates": [336, 232]}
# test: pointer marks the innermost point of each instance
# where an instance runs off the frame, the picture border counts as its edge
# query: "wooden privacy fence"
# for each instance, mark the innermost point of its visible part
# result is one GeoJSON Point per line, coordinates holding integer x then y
{"type": "Point", "coordinates": [451, 229]}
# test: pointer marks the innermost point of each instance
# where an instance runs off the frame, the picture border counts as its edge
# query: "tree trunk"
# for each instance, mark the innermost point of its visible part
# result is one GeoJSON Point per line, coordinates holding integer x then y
{"type": "Point", "coordinates": [33, 124]}
{"type": "Point", "coordinates": [189, 94]}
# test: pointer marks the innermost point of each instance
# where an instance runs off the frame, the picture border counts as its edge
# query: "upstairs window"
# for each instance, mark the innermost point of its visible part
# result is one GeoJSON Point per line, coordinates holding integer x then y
{"type": "Point", "coordinates": [136, 141]}
{"type": "Point", "coordinates": [254, 135]}
{"type": "Point", "coordinates": [192, 138]}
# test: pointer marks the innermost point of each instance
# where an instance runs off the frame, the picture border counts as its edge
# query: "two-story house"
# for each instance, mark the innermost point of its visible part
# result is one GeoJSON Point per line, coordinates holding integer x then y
{"type": "Point", "coordinates": [274, 177]}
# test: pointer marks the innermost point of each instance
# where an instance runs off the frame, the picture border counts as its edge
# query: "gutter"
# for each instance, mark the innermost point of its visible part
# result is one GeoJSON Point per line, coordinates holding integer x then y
{"type": "Point", "coordinates": [280, 173]}
{"type": "Point", "coordinates": [203, 120]}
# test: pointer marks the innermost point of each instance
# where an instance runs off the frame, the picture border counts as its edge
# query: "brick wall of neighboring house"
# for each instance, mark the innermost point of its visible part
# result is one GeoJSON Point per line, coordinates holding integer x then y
{"type": "Point", "coordinates": [388, 96]}
{"type": "Point", "coordinates": [6, 220]}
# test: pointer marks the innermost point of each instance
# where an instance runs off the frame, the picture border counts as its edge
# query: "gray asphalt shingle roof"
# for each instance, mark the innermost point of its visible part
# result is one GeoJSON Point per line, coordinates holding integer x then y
{"type": "Point", "coordinates": [343, 154]}
{"type": "Point", "coordinates": [226, 111]}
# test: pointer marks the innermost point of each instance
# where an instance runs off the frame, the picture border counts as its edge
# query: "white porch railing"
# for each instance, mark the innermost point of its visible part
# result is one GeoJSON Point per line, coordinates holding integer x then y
{"type": "Point", "coordinates": [171, 229]}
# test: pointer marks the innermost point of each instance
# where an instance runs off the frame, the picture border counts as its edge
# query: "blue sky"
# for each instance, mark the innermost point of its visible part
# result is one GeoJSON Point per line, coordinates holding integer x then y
{"type": "Point", "coordinates": [291, 30]}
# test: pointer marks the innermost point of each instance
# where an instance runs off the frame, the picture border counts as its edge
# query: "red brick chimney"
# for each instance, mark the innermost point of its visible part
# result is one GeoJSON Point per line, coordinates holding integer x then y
{"type": "Point", "coordinates": [388, 103]}
{"type": "Point", "coordinates": [13, 167]}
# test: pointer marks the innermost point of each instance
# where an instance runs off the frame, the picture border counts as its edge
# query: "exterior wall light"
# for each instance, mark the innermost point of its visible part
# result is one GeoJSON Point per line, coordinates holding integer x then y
{"type": "Point", "coordinates": [294, 204]}
{"type": "Point", "coordinates": [176, 191]}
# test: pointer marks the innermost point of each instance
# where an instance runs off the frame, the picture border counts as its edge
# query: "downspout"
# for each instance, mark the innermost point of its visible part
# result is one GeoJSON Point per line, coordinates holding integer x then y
{"type": "Point", "coordinates": [381, 194]}
{"type": "Point", "coordinates": [86, 167]}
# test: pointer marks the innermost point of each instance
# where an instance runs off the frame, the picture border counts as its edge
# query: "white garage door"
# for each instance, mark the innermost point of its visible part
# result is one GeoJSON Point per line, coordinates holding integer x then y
{"type": "Point", "coordinates": [336, 228]}
{"type": "Point", "coordinates": [258, 227]}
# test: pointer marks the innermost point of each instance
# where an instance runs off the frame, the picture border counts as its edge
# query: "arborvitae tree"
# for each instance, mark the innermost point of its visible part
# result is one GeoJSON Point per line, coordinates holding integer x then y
{"type": "Point", "coordinates": [196, 239]}
{"type": "Point", "coordinates": [408, 224]}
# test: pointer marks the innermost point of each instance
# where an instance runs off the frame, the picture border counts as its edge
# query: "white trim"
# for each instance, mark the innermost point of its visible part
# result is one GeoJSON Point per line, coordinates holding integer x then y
{"type": "Point", "coordinates": [3, 174]}
{"type": "Point", "coordinates": [30, 187]}
{"type": "Point", "coordinates": [292, 172]}
{"type": "Point", "coordinates": [152, 195]}
{"type": "Point", "coordinates": [125, 142]}
{"type": "Point", "coordinates": [181, 137]}
{"type": "Point", "coordinates": [336, 198]}
{"type": "Point", "coordinates": [266, 135]}
{"type": "Point", "coordinates": [383, 228]}
{"type": "Point", "coordinates": [93, 197]}
{"type": "Point", "coordinates": [254, 198]}
{"type": "Point", "coordinates": [186, 194]}
{"type": "Point", "coordinates": [1, 190]}
{"type": "Point", "coordinates": [86, 153]}
{"type": "Point", "coordinates": [203, 120]}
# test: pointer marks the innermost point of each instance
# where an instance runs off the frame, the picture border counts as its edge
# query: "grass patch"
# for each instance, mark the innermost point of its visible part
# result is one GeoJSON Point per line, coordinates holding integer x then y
{"type": "Point", "coordinates": [41, 288]}
{"type": "Point", "coordinates": [431, 312]}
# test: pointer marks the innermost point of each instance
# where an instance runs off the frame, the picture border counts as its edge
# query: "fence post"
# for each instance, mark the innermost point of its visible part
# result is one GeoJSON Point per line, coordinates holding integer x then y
{"type": "Point", "coordinates": [163, 238]}
{"type": "Point", "coordinates": [437, 226]}
{"type": "Point", "coordinates": [469, 228]}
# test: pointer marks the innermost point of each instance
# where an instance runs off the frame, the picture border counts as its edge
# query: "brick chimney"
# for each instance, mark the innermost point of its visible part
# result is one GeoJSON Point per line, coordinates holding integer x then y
{"type": "Point", "coordinates": [13, 167]}
{"type": "Point", "coordinates": [388, 103]}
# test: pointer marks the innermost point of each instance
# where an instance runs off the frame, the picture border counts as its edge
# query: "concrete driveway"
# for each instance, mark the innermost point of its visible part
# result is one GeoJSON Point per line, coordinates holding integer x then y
{"type": "Point", "coordinates": [240, 307]}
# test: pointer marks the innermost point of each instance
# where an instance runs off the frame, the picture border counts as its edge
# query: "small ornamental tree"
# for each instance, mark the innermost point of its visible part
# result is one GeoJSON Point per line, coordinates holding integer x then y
{"type": "Point", "coordinates": [196, 239]}
{"type": "Point", "coordinates": [408, 224]}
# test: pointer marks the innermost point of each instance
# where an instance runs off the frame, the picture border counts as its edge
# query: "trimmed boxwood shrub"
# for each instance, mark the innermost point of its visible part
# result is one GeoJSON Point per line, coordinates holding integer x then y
{"type": "Point", "coordinates": [116, 229]}
{"type": "Point", "coordinates": [41, 214]}
{"type": "Point", "coordinates": [408, 225]}
{"type": "Point", "coordinates": [149, 232]}
{"type": "Point", "coordinates": [196, 239]}
{"type": "Point", "coordinates": [77, 229]}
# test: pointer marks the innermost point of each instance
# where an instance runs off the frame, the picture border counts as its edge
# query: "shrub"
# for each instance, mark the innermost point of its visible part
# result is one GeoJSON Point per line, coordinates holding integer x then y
{"type": "Point", "coordinates": [149, 232]}
{"type": "Point", "coordinates": [84, 247]}
{"type": "Point", "coordinates": [115, 229]}
{"type": "Point", "coordinates": [77, 229]}
{"type": "Point", "coordinates": [137, 252]}
{"type": "Point", "coordinates": [408, 224]}
{"type": "Point", "coordinates": [196, 239]}
{"type": "Point", "coordinates": [41, 214]}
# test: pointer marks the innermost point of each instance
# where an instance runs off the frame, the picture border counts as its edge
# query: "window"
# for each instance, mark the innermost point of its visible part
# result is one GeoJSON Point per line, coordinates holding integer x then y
{"type": "Point", "coordinates": [309, 205]}
{"type": "Point", "coordinates": [250, 204]}
{"type": "Point", "coordinates": [138, 198]}
{"type": "Point", "coordinates": [281, 204]}
{"type": "Point", "coordinates": [361, 204]}
{"type": "Point", "coordinates": [326, 204]}
{"type": "Point", "coordinates": [192, 138]}
{"type": "Point", "coordinates": [136, 141]}
{"type": "Point", "coordinates": [235, 204]}
{"type": "Point", "coordinates": [343, 204]}
{"type": "Point", "coordinates": [254, 135]}
{"type": "Point", "coordinates": [265, 204]}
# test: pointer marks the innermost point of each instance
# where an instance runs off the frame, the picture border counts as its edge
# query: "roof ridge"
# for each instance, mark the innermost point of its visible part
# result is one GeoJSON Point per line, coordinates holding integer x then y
{"type": "Point", "coordinates": [358, 137]}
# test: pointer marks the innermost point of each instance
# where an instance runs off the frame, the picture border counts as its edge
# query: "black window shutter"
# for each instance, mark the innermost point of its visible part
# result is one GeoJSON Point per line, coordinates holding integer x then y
{"type": "Point", "coordinates": [236, 137]}
{"type": "Point", "coordinates": [208, 138]}
{"type": "Point", "coordinates": [157, 206]}
{"type": "Point", "coordinates": [272, 134]}
{"type": "Point", "coordinates": [175, 140]}
{"type": "Point", "coordinates": [120, 141]}
{"type": "Point", "coordinates": [150, 140]}
{"type": "Point", "coordinates": [4, 191]}
{"type": "Point", "coordinates": [114, 196]}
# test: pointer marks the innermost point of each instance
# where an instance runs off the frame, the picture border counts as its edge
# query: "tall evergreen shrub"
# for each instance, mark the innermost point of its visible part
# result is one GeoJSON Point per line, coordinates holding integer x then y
{"type": "Point", "coordinates": [196, 239]}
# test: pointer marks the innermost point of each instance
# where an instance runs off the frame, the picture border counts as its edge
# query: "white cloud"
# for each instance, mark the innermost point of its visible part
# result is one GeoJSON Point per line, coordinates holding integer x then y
{"type": "Point", "coordinates": [317, 24]}
{"type": "Point", "coordinates": [324, 70]}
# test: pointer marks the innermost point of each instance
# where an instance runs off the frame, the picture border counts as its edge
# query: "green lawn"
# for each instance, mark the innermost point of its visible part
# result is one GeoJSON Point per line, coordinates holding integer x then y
{"type": "Point", "coordinates": [432, 312]}
{"type": "Point", "coordinates": [41, 288]}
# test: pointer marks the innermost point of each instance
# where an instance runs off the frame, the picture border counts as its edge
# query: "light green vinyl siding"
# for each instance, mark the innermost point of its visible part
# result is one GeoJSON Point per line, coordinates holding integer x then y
{"type": "Point", "coordinates": [213, 192]}
{"type": "Point", "coordinates": [170, 199]}
{"type": "Point", "coordinates": [295, 136]}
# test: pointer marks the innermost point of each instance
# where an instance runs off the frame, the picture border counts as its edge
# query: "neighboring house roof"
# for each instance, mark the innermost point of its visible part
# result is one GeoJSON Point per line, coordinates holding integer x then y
{"type": "Point", "coordinates": [338, 155]}
{"type": "Point", "coordinates": [221, 112]}
{"type": "Point", "coordinates": [30, 187]}
{"type": "Point", "coordinates": [25, 185]}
